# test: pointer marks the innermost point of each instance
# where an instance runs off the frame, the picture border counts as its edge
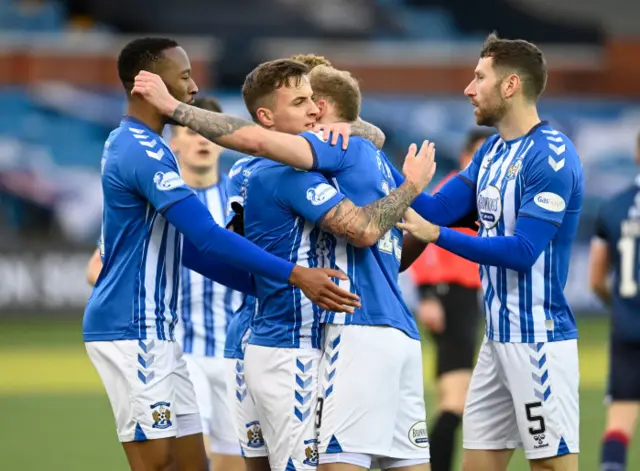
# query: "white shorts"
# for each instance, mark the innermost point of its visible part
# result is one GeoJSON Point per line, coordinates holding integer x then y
{"type": "Point", "coordinates": [524, 395]}
{"type": "Point", "coordinates": [208, 377]}
{"type": "Point", "coordinates": [148, 386]}
{"type": "Point", "coordinates": [372, 395]}
{"type": "Point", "coordinates": [243, 411]}
{"type": "Point", "coordinates": [284, 386]}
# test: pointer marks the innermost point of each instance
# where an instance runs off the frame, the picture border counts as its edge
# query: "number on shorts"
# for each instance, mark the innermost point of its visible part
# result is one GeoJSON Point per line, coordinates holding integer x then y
{"type": "Point", "coordinates": [319, 413]}
{"type": "Point", "coordinates": [535, 418]}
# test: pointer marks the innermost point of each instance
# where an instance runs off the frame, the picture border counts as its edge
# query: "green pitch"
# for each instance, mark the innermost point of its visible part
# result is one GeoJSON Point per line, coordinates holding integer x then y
{"type": "Point", "coordinates": [56, 417]}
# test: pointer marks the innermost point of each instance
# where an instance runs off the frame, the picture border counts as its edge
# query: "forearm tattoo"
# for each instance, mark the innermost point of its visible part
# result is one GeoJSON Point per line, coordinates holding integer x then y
{"type": "Point", "coordinates": [373, 220]}
{"type": "Point", "coordinates": [208, 123]}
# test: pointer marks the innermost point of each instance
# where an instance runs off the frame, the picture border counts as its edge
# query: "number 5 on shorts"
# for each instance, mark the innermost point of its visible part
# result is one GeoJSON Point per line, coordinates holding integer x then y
{"type": "Point", "coordinates": [535, 418]}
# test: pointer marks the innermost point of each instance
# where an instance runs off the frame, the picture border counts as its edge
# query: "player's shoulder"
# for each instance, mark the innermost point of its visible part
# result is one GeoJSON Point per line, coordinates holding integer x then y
{"type": "Point", "coordinates": [548, 141]}
{"type": "Point", "coordinates": [134, 143]}
{"type": "Point", "coordinates": [240, 165]}
{"type": "Point", "coordinates": [487, 149]}
{"type": "Point", "coordinates": [267, 172]}
{"type": "Point", "coordinates": [489, 143]}
{"type": "Point", "coordinates": [316, 138]}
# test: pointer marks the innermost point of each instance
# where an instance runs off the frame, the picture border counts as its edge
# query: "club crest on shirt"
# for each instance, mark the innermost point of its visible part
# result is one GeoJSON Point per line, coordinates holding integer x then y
{"type": "Point", "coordinates": [161, 415]}
{"type": "Point", "coordinates": [254, 435]}
{"type": "Point", "coordinates": [513, 169]}
{"type": "Point", "coordinates": [311, 452]}
{"type": "Point", "coordinates": [490, 206]}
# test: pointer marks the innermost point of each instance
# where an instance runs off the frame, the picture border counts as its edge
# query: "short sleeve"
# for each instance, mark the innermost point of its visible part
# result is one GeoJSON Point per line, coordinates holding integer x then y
{"type": "Point", "coordinates": [547, 189]}
{"type": "Point", "coordinates": [308, 194]}
{"type": "Point", "coordinates": [326, 158]}
{"type": "Point", "coordinates": [153, 173]}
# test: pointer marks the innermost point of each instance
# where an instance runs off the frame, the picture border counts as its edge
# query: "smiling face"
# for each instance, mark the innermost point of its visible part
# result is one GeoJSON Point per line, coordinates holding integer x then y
{"type": "Point", "coordinates": [292, 109]}
{"type": "Point", "coordinates": [485, 94]}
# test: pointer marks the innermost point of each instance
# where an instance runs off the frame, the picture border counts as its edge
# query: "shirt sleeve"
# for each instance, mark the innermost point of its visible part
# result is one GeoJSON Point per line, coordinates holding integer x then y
{"type": "Point", "coordinates": [517, 252]}
{"type": "Point", "coordinates": [308, 194]}
{"type": "Point", "coordinates": [326, 158]}
{"type": "Point", "coordinates": [470, 173]}
{"type": "Point", "coordinates": [153, 174]}
{"type": "Point", "coordinates": [548, 185]}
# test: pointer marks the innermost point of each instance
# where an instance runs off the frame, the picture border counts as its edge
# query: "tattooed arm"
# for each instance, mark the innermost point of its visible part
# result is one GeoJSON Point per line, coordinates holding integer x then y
{"type": "Point", "coordinates": [245, 136]}
{"type": "Point", "coordinates": [369, 132]}
{"type": "Point", "coordinates": [364, 226]}
{"type": "Point", "coordinates": [223, 129]}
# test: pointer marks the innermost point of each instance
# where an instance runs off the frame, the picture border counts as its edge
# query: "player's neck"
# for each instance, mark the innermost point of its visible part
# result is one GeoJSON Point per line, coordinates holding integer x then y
{"type": "Point", "coordinates": [518, 122]}
{"type": "Point", "coordinates": [147, 115]}
{"type": "Point", "coordinates": [205, 179]}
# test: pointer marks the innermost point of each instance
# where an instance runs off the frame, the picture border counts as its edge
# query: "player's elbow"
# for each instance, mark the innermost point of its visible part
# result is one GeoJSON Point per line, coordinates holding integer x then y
{"type": "Point", "coordinates": [364, 238]}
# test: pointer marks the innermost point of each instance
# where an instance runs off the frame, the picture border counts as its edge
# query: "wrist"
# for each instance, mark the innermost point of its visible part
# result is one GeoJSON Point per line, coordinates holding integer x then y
{"type": "Point", "coordinates": [294, 276]}
{"type": "Point", "coordinates": [411, 188]}
{"type": "Point", "coordinates": [171, 106]}
{"type": "Point", "coordinates": [441, 234]}
{"type": "Point", "coordinates": [437, 234]}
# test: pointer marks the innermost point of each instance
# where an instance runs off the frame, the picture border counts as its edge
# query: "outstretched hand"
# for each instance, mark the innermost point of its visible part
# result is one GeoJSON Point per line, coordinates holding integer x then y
{"type": "Point", "coordinates": [419, 165]}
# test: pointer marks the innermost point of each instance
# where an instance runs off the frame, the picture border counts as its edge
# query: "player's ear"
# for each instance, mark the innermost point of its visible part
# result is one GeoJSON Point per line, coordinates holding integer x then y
{"type": "Point", "coordinates": [322, 107]}
{"type": "Point", "coordinates": [265, 116]}
{"type": "Point", "coordinates": [511, 85]}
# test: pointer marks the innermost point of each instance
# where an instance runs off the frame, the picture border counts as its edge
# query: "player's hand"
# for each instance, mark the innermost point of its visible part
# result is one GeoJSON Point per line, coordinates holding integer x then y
{"type": "Point", "coordinates": [151, 87]}
{"type": "Point", "coordinates": [419, 227]}
{"type": "Point", "coordinates": [431, 315]}
{"type": "Point", "coordinates": [317, 285]}
{"type": "Point", "coordinates": [419, 165]}
{"type": "Point", "coordinates": [334, 131]}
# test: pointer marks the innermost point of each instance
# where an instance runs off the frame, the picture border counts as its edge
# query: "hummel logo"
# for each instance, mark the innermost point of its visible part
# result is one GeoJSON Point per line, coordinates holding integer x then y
{"type": "Point", "coordinates": [556, 165]}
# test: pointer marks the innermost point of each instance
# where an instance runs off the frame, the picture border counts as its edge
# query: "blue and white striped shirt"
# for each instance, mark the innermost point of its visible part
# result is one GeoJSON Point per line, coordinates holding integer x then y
{"type": "Point", "coordinates": [538, 175]}
{"type": "Point", "coordinates": [206, 308]}
{"type": "Point", "coordinates": [136, 294]}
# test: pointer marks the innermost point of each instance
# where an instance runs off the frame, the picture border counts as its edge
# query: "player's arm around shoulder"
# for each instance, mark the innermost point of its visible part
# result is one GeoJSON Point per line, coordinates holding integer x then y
{"type": "Point", "coordinates": [369, 132]}
{"type": "Point", "coordinates": [223, 129]}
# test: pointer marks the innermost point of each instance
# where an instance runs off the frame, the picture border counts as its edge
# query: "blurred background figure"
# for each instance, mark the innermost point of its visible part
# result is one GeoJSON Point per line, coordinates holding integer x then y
{"type": "Point", "coordinates": [449, 308]}
{"type": "Point", "coordinates": [614, 248]}
{"type": "Point", "coordinates": [60, 97]}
